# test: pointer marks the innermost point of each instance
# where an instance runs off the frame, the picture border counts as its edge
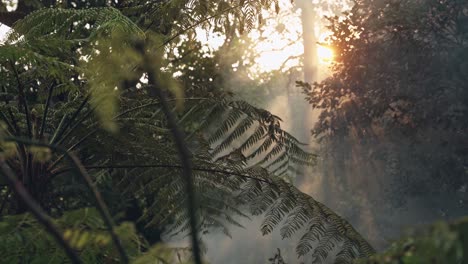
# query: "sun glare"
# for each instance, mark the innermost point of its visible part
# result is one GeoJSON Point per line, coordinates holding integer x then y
{"type": "Point", "coordinates": [325, 54]}
{"type": "Point", "coordinates": [279, 45]}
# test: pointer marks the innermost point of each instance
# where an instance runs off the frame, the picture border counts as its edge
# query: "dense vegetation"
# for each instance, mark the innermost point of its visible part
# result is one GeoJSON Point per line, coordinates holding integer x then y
{"type": "Point", "coordinates": [398, 90]}
{"type": "Point", "coordinates": [119, 130]}
{"type": "Point", "coordinates": [394, 120]}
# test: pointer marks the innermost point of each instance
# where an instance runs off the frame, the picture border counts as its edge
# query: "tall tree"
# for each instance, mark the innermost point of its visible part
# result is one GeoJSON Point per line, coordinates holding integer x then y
{"type": "Point", "coordinates": [393, 113]}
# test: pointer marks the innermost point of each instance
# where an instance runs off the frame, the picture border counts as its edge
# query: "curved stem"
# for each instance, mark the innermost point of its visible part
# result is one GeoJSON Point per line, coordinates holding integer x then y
{"type": "Point", "coordinates": [184, 154]}
{"type": "Point", "coordinates": [195, 168]}
{"type": "Point", "coordinates": [101, 206]}
{"type": "Point", "coordinates": [56, 162]}
{"type": "Point", "coordinates": [22, 99]}
{"type": "Point", "coordinates": [46, 110]}
{"type": "Point", "coordinates": [62, 137]}
{"type": "Point", "coordinates": [37, 211]}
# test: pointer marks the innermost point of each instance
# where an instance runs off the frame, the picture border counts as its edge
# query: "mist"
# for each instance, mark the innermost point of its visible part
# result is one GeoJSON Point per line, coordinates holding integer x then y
{"type": "Point", "coordinates": [382, 189]}
{"type": "Point", "coordinates": [234, 131]}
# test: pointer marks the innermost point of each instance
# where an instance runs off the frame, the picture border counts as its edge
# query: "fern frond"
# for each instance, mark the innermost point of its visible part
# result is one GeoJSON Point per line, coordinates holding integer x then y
{"type": "Point", "coordinates": [232, 119]}
{"type": "Point", "coordinates": [327, 243]}
{"type": "Point", "coordinates": [236, 134]}
{"type": "Point", "coordinates": [85, 24]}
{"type": "Point", "coordinates": [346, 254]}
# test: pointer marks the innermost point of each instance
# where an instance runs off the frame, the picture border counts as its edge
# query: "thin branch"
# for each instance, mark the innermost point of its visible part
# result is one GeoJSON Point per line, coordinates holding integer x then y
{"type": "Point", "coordinates": [181, 57]}
{"type": "Point", "coordinates": [101, 206]}
{"type": "Point", "coordinates": [201, 22]}
{"type": "Point", "coordinates": [281, 68]}
{"type": "Point", "coordinates": [37, 211]}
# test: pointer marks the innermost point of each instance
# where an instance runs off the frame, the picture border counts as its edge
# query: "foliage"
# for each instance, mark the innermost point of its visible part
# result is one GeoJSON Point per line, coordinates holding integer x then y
{"type": "Point", "coordinates": [61, 65]}
{"type": "Point", "coordinates": [277, 258]}
{"type": "Point", "coordinates": [83, 229]}
{"type": "Point", "coordinates": [442, 243]}
{"type": "Point", "coordinates": [395, 103]}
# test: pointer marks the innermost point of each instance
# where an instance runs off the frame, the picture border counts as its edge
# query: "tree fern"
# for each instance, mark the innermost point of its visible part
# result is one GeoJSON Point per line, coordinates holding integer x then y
{"type": "Point", "coordinates": [72, 24]}
{"type": "Point", "coordinates": [238, 151]}
{"type": "Point", "coordinates": [173, 17]}
{"type": "Point", "coordinates": [258, 135]}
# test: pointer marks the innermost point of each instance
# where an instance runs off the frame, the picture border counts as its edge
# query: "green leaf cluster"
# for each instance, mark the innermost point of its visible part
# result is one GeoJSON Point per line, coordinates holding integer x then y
{"type": "Point", "coordinates": [443, 242]}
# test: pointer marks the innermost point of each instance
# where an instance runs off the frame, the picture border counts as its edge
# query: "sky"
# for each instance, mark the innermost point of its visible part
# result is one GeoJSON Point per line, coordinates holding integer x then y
{"type": "Point", "coordinates": [3, 31]}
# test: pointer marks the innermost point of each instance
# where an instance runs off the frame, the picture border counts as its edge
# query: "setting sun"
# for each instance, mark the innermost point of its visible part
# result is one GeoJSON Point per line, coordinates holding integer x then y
{"type": "Point", "coordinates": [278, 45]}
{"type": "Point", "coordinates": [325, 54]}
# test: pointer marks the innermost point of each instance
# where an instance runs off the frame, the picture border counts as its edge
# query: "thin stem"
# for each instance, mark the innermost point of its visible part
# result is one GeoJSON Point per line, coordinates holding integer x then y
{"type": "Point", "coordinates": [44, 116]}
{"type": "Point", "coordinates": [76, 144]}
{"type": "Point", "coordinates": [184, 154]}
{"type": "Point", "coordinates": [195, 168]}
{"type": "Point", "coordinates": [9, 124]}
{"type": "Point", "coordinates": [13, 120]}
{"type": "Point", "coordinates": [22, 99]}
{"type": "Point", "coordinates": [101, 206]}
{"type": "Point", "coordinates": [14, 123]}
{"type": "Point", "coordinates": [59, 137]}
{"type": "Point", "coordinates": [55, 163]}
{"type": "Point", "coordinates": [59, 127]}
{"type": "Point", "coordinates": [199, 23]}
{"type": "Point", "coordinates": [77, 123]}
{"type": "Point", "coordinates": [23, 157]}
{"type": "Point", "coordinates": [5, 201]}
{"type": "Point", "coordinates": [37, 211]}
